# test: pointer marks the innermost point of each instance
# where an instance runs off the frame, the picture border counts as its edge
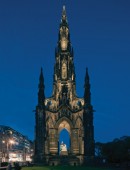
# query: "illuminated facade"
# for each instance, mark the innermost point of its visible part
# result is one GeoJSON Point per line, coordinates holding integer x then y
{"type": "Point", "coordinates": [14, 147]}
{"type": "Point", "coordinates": [64, 110]}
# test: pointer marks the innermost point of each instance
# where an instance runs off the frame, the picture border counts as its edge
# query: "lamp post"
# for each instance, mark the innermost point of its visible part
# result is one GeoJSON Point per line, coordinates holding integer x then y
{"type": "Point", "coordinates": [9, 144]}
{"type": "Point", "coordinates": [3, 151]}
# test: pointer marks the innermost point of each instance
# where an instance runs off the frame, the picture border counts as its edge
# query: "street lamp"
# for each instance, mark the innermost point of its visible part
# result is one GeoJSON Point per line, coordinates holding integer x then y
{"type": "Point", "coordinates": [11, 141]}
{"type": "Point", "coordinates": [3, 151]}
{"type": "Point", "coordinates": [8, 142]}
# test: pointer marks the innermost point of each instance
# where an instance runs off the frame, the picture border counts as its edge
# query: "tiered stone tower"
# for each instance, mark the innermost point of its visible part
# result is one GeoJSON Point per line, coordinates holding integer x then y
{"type": "Point", "coordinates": [64, 110]}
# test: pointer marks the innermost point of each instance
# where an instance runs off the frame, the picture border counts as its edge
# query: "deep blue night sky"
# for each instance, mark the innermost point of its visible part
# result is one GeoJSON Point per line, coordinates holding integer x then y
{"type": "Point", "coordinates": [100, 35]}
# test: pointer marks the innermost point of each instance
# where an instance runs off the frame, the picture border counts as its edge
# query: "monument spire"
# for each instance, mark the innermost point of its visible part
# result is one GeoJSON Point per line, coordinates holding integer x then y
{"type": "Point", "coordinates": [64, 70]}
{"type": "Point", "coordinates": [40, 121]}
{"type": "Point", "coordinates": [41, 95]}
{"type": "Point", "coordinates": [64, 109]}
{"type": "Point", "coordinates": [87, 93]}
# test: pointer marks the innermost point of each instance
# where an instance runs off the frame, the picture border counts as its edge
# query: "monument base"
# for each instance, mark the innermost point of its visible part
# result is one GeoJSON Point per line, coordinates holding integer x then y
{"type": "Point", "coordinates": [64, 160]}
{"type": "Point", "coordinates": [64, 153]}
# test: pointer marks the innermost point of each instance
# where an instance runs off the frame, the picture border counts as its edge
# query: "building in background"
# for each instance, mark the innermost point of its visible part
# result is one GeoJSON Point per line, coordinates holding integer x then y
{"type": "Point", "coordinates": [14, 147]}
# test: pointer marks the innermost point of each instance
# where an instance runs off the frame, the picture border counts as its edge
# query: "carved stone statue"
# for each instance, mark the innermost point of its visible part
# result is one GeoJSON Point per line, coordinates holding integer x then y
{"type": "Point", "coordinates": [63, 147]}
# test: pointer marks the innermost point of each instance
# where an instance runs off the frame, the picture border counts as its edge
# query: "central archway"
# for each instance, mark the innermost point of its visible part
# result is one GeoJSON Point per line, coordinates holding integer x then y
{"type": "Point", "coordinates": [64, 127]}
{"type": "Point", "coordinates": [73, 131]}
{"type": "Point", "coordinates": [64, 137]}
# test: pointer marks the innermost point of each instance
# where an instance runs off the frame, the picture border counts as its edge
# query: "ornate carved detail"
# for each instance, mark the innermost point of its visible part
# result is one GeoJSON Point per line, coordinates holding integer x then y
{"type": "Point", "coordinates": [64, 112]}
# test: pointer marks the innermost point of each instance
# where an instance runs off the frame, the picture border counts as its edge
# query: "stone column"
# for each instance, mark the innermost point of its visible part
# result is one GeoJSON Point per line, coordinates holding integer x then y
{"type": "Point", "coordinates": [53, 140]}
{"type": "Point", "coordinates": [74, 142]}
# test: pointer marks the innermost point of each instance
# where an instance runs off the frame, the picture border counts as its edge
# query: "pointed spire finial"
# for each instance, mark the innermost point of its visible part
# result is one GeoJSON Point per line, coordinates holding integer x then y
{"type": "Point", "coordinates": [41, 95]}
{"type": "Point", "coordinates": [41, 75]}
{"type": "Point", "coordinates": [64, 17]}
{"type": "Point", "coordinates": [41, 69]}
{"type": "Point", "coordinates": [64, 11]}
{"type": "Point", "coordinates": [86, 77]}
{"type": "Point", "coordinates": [87, 93]}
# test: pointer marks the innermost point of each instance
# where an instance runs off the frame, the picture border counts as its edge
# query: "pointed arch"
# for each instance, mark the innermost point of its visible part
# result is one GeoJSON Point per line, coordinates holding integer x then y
{"type": "Point", "coordinates": [64, 123]}
{"type": "Point", "coordinates": [78, 122]}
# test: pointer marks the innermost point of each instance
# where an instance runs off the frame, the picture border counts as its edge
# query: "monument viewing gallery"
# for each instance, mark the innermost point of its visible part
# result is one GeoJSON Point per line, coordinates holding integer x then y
{"type": "Point", "coordinates": [64, 110]}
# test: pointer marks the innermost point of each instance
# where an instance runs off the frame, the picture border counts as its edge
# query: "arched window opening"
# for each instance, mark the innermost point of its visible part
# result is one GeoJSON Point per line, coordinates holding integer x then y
{"type": "Point", "coordinates": [64, 142]}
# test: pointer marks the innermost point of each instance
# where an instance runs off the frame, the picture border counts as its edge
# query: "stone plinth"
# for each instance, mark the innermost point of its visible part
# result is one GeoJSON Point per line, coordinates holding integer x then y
{"type": "Point", "coordinates": [64, 153]}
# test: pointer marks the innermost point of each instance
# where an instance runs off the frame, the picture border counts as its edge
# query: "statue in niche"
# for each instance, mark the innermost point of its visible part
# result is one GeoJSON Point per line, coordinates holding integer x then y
{"type": "Point", "coordinates": [64, 94]}
{"type": "Point", "coordinates": [63, 147]}
{"type": "Point", "coordinates": [64, 71]}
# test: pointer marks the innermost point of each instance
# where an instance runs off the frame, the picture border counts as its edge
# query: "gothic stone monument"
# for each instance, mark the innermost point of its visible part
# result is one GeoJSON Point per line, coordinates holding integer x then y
{"type": "Point", "coordinates": [64, 109]}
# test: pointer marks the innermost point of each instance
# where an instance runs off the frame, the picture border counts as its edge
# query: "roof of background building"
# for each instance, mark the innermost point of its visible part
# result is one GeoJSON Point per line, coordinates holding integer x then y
{"type": "Point", "coordinates": [4, 128]}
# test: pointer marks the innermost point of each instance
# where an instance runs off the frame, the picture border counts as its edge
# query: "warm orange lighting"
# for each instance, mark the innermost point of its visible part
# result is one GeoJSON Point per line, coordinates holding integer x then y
{"type": "Point", "coordinates": [11, 141]}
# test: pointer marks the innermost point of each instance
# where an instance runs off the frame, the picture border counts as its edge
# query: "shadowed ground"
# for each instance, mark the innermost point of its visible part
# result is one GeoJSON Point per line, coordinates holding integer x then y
{"type": "Point", "coordinates": [63, 168]}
